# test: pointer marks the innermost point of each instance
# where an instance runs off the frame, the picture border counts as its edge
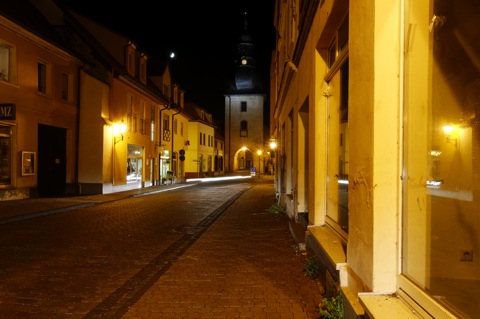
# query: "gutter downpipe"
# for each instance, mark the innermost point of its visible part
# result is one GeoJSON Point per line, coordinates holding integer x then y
{"type": "Point", "coordinates": [173, 136]}
{"type": "Point", "coordinates": [166, 107]}
{"type": "Point", "coordinates": [229, 133]}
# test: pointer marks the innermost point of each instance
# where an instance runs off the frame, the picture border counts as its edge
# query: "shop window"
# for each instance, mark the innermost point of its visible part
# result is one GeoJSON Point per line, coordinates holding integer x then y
{"type": "Point", "coordinates": [5, 155]}
{"type": "Point", "coordinates": [440, 224]}
{"type": "Point", "coordinates": [338, 137]}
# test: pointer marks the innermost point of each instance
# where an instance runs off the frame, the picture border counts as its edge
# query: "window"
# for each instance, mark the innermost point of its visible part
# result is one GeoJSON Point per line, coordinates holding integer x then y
{"type": "Point", "coordinates": [44, 77]}
{"type": "Point", "coordinates": [440, 225]}
{"type": "Point", "coordinates": [5, 155]}
{"type": "Point", "coordinates": [332, 53]}
{"type": "Point", "coordinates": [67, 87]}
{"type": "Point", "coordinates": [182, 98]}
{"type": "Point", "coordinates": [4, 63]}
{"type": "Point", "coordinates": [175, 93]}
{"type": "Point", "coordinates": [243, 128]}
{"type": "Point", "coordinates": [152, 124]}
{"type": "Point", "coordinates": [8, 63]}
{"type": "Point", "coordinates": [131, 116]}
{"type": "Point", "coordinates": [130, 58]}
{"type": "Point", "coordinates": [166, 90]}
{"type": "Point", "coordinates": [243, 106]}
{"type": "Point", "coordinates": [143, 119]}
{"type": "Point", "coordinates": [64, 86]}
{"type": "Point", "coordinates": [142, 68]}
{"type": "Point", "coordinates": [338, 138]}
{"type": "Point", "coordinates": [166, 128]}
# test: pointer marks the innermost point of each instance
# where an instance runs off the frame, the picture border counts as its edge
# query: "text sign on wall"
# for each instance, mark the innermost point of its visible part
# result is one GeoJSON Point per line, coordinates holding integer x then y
{"type": "Point", "coordinates": [7, 111]}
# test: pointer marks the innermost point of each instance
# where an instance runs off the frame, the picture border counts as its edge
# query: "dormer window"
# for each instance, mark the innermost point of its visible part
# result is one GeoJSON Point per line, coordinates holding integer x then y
{"type": "Point", "coordinates": [142, 68]}
{"type": "Point", "coordinates": [130, 58]}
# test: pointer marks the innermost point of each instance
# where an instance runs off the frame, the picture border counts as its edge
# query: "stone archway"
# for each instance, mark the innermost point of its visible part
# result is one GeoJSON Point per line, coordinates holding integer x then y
{"type": "Point", "coordinates": [243, 159]}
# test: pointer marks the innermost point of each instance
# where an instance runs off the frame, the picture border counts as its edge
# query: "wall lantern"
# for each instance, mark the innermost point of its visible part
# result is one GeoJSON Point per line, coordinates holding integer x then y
{"type": "Point", "coordinates": [273, 144]}
{"type": "Point", "coordinates": [452, 133]}
{"type": "Point", "coordinates": [118, 131]}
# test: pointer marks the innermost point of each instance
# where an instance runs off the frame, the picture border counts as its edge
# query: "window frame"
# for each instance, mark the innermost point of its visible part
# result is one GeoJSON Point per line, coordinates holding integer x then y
{"type": "Point", "coordinates": [44, 77]}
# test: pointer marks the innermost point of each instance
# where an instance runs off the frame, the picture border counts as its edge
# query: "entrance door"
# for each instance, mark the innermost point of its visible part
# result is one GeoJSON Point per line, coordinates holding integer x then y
{"type": "Point", "coordinates": [52, 169]}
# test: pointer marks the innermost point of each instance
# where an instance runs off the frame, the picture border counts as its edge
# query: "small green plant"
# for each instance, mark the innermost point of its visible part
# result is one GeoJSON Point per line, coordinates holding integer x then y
{"type": "Point", "coordinates": [311, 267]}
{"type": "Point", "coordinates": [275, 209]}
{"type": "Point", "coordinates": [332, 308]}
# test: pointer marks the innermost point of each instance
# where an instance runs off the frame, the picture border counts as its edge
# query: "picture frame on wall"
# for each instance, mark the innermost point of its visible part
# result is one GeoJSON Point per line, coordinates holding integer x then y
{"type": "Point", "coordinates": [28, 163]}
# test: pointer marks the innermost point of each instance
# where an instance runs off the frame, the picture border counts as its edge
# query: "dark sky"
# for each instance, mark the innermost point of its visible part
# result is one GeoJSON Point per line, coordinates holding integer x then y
{"type": "Point", "coordinates": [202, 34]}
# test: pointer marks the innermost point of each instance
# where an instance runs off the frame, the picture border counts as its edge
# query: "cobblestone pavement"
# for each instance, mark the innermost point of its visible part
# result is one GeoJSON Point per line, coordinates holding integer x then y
{"type": "Point", "coordinates": [239, 261]}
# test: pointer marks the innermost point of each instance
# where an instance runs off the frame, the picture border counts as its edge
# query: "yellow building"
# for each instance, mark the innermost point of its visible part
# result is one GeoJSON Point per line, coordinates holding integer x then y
{"type": "Point", "coordinates": [201, 137]}
{"type": "Point", "coordinates": [125, 125]}
{"type": "Point", "coordinates": [84, 110]}
{"type": "Point", "coordinates": [38, 110]}
{"type": "Point", "coordinates": [373, 108]}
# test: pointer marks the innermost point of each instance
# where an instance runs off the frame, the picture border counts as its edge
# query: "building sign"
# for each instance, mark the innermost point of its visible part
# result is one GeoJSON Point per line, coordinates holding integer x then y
{"type": "Point", "coordinates": [7, 111]}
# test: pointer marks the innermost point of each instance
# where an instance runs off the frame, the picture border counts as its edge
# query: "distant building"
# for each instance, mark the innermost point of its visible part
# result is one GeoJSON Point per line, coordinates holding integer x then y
{"type": "Point", "coordinates": [201, 143]}
{"type": "Point", "coordinates": [244, 107]}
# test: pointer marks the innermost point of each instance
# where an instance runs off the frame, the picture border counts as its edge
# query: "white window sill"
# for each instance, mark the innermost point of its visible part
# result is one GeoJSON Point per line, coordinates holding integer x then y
{"type": "Point", "coordinates": [385, 306]}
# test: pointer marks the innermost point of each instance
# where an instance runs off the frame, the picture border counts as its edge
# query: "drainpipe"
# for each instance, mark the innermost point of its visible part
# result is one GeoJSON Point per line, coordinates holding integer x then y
{"type": "Point", "coordinates": [167, 107]}
{"type": "Point", "coordinates": [173, 136]}
{"type": "Point", "coordinates": [229, 133]}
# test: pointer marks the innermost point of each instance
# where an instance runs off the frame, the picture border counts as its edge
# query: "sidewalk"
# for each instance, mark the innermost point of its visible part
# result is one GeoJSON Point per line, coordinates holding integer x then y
{"type": "Point", "coordinates": [15, 210]}
{"type": "Point", "coordinates": [244, 265]}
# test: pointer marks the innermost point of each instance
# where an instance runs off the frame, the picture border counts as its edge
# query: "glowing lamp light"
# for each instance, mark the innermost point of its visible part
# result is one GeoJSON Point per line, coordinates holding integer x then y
{"type": "Point", "coordinates": [118, 131]}
{"type": "Point", "coordinates": [452, 132]}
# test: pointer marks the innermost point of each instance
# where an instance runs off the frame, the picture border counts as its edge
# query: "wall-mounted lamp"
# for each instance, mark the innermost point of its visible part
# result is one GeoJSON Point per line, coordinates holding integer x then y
{"type": "Point", "coordinates": [452, 133]}
{"type": "Point", "coordinates": [273, 144]}
{"type": "Point", "coordinates": [119, 131]}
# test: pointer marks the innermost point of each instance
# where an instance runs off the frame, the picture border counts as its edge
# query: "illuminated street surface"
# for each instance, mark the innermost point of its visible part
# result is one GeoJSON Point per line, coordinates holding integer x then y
{"type": "Point", "coordinates": [72, 264]}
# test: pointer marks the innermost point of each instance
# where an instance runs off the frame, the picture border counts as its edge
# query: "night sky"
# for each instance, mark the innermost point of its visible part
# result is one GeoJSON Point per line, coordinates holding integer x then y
{"type": "Point", "coordinates": [202, 34]}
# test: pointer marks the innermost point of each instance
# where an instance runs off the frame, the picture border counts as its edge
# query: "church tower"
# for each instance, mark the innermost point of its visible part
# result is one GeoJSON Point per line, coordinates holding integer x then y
{"type": "Point", "coordinates": [244, 109]}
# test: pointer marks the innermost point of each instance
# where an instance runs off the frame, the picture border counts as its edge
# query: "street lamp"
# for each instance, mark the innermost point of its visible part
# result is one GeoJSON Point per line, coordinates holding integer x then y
{"type": "Point", "coordinates": [273, 147]}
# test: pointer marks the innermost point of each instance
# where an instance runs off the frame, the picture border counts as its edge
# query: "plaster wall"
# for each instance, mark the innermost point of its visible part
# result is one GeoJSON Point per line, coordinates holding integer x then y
{"type": "Point", "coordinates": [34, 108]}
{"type": "Point", "coordinates": [374, 131]}
{"type": "Point", "coordinates": [95, 148]}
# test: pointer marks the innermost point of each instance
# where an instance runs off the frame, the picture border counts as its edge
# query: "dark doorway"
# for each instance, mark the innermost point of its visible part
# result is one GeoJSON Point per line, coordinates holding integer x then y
{"type": "Point", "coordinates": [52, 168]}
